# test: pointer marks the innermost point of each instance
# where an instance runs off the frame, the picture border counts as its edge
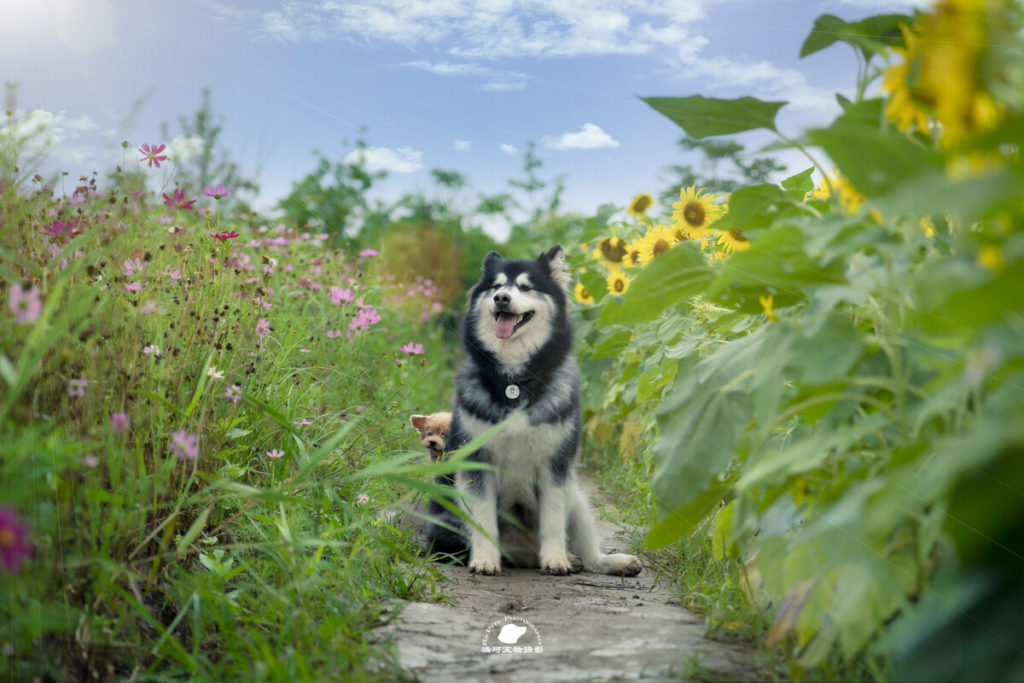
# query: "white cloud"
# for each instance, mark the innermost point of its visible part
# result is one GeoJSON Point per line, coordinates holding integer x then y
{"type": "Point", "coordinates": [492, 29]}
{"type": "Point", "coordinates": [401, 160]}
{"type": "Point", "coordinates": [590, 136]}
{"type": "Point", "coordinates": [498, 80]}
{"type": "Point", "coordinates": [40, 133]}
{"type": "Point", "coordinates": [508, 149]}
{"type": "Point", "coordinates": [462, 145]}
{"type": "Point", "coordinates": [477, 33]}
{"type": "Point", "coordinates": [184, 148]}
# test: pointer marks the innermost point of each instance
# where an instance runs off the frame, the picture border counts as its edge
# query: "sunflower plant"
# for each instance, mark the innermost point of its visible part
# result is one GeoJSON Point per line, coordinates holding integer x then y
{"type": "Point", "coordinates": [825, 372]}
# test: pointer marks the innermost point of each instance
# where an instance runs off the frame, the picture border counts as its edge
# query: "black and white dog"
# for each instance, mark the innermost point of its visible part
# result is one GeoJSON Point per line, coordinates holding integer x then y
{"type": "Point", "coordinates": [518, 339]}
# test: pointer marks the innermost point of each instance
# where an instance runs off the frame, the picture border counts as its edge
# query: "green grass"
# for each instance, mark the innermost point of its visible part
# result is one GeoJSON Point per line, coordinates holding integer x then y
{"type": "Point", "coordinates": [236, 564]}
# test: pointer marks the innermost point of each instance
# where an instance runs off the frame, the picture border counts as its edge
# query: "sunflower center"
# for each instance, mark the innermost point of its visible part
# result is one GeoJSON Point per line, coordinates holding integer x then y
{"type": "Point", "coordinates": [738, 236]}
{"type": "Point", "coordinates": [694, 214]}
{"type": "Point", "coordinates": [641, 204]}
{"type": "Point", "coordinates": [619, 286]}
{"type": "Point", "coordinates": [613, 250]}
{"type": "Point", "coordinates": [660, 247]}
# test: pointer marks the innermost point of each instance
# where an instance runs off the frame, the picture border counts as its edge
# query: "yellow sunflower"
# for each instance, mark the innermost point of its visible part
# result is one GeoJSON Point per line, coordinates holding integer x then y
{"type": "Point", "coordinates": [694, 212]}
{"type": "Point", "coordinates": [905, 98]}
{"type": "Point", "coordinates": [582, 295]}
{"type": "Point", "coordinates": [840, 187]}
{"type": "Point", "coordinates": [733, 240]}
{"type": "Point", "coordinates": [610, 251]}
{"type": "Point", "coordinates": [632, 257]}
{"type": "Point", "coordinates": [656, 241]}
{"type": "Point", "coordinates": [617, 282]}
{"type": "Point", "coordinates": [638, 207]}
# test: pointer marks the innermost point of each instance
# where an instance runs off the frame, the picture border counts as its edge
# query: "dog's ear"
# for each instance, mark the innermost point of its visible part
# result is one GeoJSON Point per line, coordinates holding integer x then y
{"type": "Point", "coordinates": [491, 261]}
{"type": "Point", "coordinates": [555, 261]}
{"type": "Point", "coordinates": [418, 421]}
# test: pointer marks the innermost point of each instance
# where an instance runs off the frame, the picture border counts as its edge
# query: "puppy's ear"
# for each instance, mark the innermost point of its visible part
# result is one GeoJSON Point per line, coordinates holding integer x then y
{"type": "Point", "coordinates": [418, 421]}
{"type": "Point", "coordinates": [555, 260]}
{"type": "Point", "coordinates": [491, 261]}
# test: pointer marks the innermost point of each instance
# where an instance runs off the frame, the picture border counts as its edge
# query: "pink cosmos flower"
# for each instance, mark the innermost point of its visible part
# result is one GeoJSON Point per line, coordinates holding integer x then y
{"type": "Point", "coordinates": [412, 349]}
{"type": "Point", "coordinates": [76, 387]}
{"type": "Point", "coordinates": [234, 393]}
{"type": "Point", "coordinates": [301, 423]}
{"type": "Point", "coordinates": [172, 273]}
{"type": "Point", "coordinates": [184, 445]}
{"type": "Point", "coordinates": [217, 193]}
{"type": "Point", "coordinates": [14, 546]}
{"type": "Point", "coordinates": [341, 295]}
{"type": "Point", "coordinates": [365, 253]}
{"type": "Point", "coordinates": [132, 266]}
{"type": "Point", "coordinates": [150, 154]}
{"type": "Point", "coordinates": [226, 235]}
{"type": "Point", "coordinates": [262, 328]}
{"type": "Point", "coordinates": [362, 499]}
{"type": "Point", "coordinates": [25, 304]}
{"type": "Point", "coordinates": [333, 334]}
{"type": "Point", "coordinates": [119, 422]}
{"type": "Point", "coordinates": [133, 286]}
{"type": "Point", "coordinates": [276, 453]}
{"type": "Point", "coordinates": [367, 316]}
{"type": "Point", "coordinates": [178, 201]}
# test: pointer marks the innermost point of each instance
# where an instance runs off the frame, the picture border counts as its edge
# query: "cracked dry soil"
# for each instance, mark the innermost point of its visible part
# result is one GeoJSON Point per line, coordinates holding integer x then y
{"type": "Point", "coordinates": [588, 626]}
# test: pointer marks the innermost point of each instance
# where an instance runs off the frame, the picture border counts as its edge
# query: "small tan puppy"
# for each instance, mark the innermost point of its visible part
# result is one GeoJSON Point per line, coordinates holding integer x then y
{"type": "Point", "coordinates": [433, 431]}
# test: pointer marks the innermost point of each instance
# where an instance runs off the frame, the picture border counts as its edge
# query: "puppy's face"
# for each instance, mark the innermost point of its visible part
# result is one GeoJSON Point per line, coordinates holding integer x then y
{"type": "Point", "coordinates": [433, 431]}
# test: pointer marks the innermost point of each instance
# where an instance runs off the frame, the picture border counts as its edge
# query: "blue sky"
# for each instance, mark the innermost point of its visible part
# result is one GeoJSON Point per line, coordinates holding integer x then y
{"type": "Point", "coordinates": [460, 85]}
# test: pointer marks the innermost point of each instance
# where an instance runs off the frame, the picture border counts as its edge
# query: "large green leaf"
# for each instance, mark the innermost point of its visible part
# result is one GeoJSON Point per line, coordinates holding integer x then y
{"type": "Point", "coordinates": [776, 264]}
{"type": "Point", "coordinates": [703, 117]}
{"type": "Point", "coordinates": [872, 35]}
{"type": "Point", "coordinates": [875, 160]}
{"type": "Point", "coordinates": [702, 417]}
{"type": "Point", "coordinates": [675, 276]}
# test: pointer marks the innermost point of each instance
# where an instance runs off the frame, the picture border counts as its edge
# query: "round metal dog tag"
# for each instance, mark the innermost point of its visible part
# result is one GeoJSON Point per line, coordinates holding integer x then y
{"type": "Point", "coordinates": [512, 391]}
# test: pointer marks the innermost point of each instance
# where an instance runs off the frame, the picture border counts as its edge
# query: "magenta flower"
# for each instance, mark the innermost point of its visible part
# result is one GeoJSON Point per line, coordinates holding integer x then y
{"type": "Point", "coordinates": [217, 193]}
{"type": "Point", "coordinates": [412, 349]}
{"type": "Point", "coordinates": [76, 387]}
{"type": "Point", "coordinates": [150, 154]}
{"type": "Point", "coordinates": [172, 273]}
{"type": "Point", "coordinates": [234, 393]}
{"type": "Point", "coordinates": [226, 235]}
{"type": "Point", "coordinates": [178, 201]}
{"type": "Point", "coordinates": [119, 422]}
{"type": "Point", "coordinates": [59, 228]}
{"type": "Point", "coordinates": [341, 295]}
{"type": "Point", "coordinates": [14, 546]}
{"type": "Point", "coordinates": [369, 253]}
{"type": "Point", "coordinates": [185, 445]}
{"type": "Point", "coordinates": [133, 286]}
{"type": "Point", "coordinates": [25, 304]}
{"type": "Point", "coordinates": [276, 453]}
{"type": "Point", "coordinates": [262, 328]}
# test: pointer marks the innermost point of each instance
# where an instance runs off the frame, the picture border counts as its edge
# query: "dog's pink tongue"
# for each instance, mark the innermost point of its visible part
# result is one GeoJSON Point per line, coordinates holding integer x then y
{"type": "Point", "coordinates": [504, 325]}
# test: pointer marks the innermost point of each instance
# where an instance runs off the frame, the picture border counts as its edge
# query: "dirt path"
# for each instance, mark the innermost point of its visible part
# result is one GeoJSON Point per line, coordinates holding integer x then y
{"type": "Point", "coordinates": [525, 626]}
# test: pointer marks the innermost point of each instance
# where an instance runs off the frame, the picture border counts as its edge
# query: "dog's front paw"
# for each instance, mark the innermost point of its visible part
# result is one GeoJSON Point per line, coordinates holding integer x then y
{"type": "Point", "coordinates": [558, 565]}
{"type": "Point", "coordinates": [488, 566]}
{"type": "Point", "coordinates": [575, 564]}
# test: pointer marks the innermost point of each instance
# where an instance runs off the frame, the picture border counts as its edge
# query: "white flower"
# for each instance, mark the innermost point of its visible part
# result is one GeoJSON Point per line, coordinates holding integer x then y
{"type": "Point", "coordinates": [215, 373]}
